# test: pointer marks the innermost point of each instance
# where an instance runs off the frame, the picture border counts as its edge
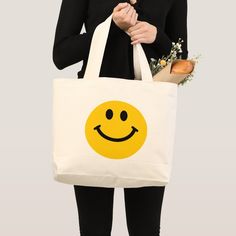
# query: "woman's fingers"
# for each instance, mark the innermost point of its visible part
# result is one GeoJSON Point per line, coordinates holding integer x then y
{"type": "Point", "coordinates": [130, 10]}
{"type": "Point", "coordinates": [120, 6]}
{"type": "Point", "coordinates": [135, 27]}
{"type": "Point", "coordinates": [134, 18]}
{"type": "Point", "coordinates": [131, 16]}
{"type": "Point", "coordinates": [137, 36]}
{"type": "Point", "coordinates": [125, 17]}
{"type": "Point", "coordinates": [127, 11]}
{"type": "Point", "coordinates": [137, 31]}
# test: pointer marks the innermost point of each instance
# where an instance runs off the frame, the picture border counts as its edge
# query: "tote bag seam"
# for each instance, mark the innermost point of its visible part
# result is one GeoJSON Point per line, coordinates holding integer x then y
{"type": "Point", "coordinates": [104, 176]}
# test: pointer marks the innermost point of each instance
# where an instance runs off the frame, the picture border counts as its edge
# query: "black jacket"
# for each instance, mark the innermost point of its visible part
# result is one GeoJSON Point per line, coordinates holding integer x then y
{"type": "Point", "coordinates": [70, 46]}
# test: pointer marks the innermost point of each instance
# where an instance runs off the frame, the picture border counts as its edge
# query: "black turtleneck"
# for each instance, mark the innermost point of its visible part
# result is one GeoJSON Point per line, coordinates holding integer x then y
{"type": "Point", "coordinates": [70, 46]}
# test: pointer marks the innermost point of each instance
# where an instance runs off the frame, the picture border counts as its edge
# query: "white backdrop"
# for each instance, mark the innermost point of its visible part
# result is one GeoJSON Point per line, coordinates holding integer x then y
{"type": "Point", "coordinates": [199, 200]}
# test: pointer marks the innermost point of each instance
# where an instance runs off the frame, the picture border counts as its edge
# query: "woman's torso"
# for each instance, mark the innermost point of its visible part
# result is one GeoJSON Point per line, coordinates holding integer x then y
{"type": "Point", "coordinates": [118, 55]}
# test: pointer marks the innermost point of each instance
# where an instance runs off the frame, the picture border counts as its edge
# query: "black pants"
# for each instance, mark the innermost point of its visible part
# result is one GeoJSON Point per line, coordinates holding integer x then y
{"type": "Point", "coordinates": [142, 207]}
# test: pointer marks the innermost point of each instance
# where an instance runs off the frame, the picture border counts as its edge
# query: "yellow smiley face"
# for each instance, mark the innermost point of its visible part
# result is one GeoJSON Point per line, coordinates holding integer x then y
{"type": "Point", "coordinates": [116, 129]}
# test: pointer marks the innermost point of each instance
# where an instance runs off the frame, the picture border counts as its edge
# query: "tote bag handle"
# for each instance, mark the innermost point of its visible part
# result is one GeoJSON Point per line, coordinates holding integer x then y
{"type": "Point", "coordinates": [141, 67]}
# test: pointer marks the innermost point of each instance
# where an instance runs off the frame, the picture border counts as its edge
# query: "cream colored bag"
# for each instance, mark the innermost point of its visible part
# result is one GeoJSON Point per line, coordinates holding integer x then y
{"type": "Point", "coordinates": [113, 132]}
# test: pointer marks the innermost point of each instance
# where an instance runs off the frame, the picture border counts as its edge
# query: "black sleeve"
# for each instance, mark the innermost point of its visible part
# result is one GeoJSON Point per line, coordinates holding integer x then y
{"type": "Point", "coordinates": [176, 27]}
{"type": "Point", "coordinates": [69, 45]}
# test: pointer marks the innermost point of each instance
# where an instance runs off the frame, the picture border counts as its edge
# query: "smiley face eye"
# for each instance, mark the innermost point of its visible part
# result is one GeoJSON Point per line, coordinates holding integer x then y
{"type": "Point", "coordinates": [123, 115]}
{"type": "Point", "coordinates": [109, 114]}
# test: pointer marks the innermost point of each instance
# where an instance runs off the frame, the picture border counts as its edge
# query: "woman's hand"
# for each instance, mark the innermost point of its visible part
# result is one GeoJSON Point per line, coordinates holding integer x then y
{"type": "Point", "coordinates": [124, 16]}
{"type": "Point", "coordinates": [142, 32]}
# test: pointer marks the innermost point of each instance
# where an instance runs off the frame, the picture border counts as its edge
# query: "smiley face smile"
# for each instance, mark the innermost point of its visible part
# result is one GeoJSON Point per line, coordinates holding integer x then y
{"type": "Point", "coordinates": [115, 139]}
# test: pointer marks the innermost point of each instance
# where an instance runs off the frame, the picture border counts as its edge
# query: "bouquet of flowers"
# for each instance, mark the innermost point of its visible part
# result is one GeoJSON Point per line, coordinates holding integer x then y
{"type": "Point", "coordinates": [170, 68]}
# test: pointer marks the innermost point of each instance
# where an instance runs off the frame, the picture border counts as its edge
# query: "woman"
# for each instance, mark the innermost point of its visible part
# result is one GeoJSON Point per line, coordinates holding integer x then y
{"type": "Point", "coordinates": [153, 23]}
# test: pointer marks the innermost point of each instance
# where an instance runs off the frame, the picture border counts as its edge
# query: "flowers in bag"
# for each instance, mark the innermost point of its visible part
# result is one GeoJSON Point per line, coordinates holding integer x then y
{"type": "Point", "coordinates": [170, 68]}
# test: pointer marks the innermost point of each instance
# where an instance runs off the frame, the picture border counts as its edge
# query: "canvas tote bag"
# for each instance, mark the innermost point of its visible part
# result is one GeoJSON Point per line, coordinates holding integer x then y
{"type": "Point", "coordinates": [113, 132]}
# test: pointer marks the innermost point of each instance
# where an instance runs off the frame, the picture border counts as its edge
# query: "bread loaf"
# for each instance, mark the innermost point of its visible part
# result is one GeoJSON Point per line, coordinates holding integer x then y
{"type": "Point", "coordinates": [182, 67]}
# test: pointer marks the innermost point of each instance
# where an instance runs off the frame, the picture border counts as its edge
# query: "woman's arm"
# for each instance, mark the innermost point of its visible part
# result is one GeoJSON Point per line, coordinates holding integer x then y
{"type": "Point", "coordinates": [69, 45]}
{"type": "Point", "coordinates": [176, 27]}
